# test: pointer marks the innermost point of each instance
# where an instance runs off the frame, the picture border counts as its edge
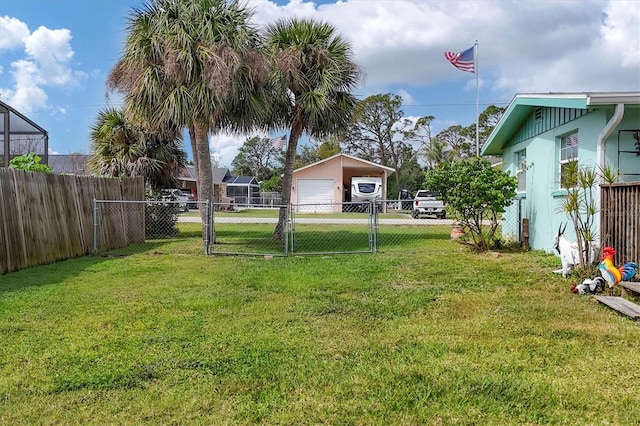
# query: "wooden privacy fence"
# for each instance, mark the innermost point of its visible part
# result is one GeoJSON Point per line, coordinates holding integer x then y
{"type": "Point", "coordinates": [47, 217]}
{"type": "Point", "coordinates": [620, 220]}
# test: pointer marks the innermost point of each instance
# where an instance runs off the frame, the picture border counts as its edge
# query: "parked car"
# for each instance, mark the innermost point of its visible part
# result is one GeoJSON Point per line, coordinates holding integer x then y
{"type": "Point", "coordinates": [428, 203]}
{"type": "Point", "coordinates": [176, 195]}
{"type": "Point", "coordinates": [191, 197]}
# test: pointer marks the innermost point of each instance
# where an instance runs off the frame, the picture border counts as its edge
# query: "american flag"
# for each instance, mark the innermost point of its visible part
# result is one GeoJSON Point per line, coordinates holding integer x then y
{"type": "Point", "coordinates": [280, 142]}
{"type": "Point", "coordinates": [464, 61]}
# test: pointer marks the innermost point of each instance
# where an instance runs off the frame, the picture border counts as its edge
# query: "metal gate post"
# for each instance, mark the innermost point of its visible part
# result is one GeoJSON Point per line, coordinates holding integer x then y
{"type": "Point", "coordinates": [95, 225]}
{"type": "Point", "coordinates": [292, 231]}
{"type": "Point", "coordinates": [373, 227]}
{"type": "Point", "coordinates": [207, 227]}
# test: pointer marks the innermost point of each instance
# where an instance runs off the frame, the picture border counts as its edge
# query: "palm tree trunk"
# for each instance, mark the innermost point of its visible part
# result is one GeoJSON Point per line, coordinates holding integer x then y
{"type": "Point", "coordinates": [194, 152]}
{"type": "Point", "coordinates": [287, 179]}
{"type": "Point", "coordinates": [203, 167]}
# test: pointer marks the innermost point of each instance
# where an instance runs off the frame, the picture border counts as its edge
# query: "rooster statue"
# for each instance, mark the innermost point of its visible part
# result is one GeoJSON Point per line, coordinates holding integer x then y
{"type": "Point", "coordinates": [612, 274]}
{"type": "Point", "coordinates": [589, 286]}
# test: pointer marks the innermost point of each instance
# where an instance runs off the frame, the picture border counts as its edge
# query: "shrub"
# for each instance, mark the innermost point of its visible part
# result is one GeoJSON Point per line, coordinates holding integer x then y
{"type": "Point", "coordinates": [476, 193]}
{"type": "Point", "coordinates": [29, 162]}
{"type": "Point", "coordinates": [160, 219]}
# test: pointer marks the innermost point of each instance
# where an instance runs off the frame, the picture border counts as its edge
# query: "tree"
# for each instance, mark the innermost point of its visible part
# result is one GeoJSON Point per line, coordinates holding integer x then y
{"type": "Point", "coordinates": [328, 149]}
{"type": "Point", "coordinates": [308, 155]}
{"type": "Point", "coordinates": [476, 193]}
{"type": "Point", "coordinates": [315, 73]}
{"type": "Point", "coordinates": [458, 141]}
{"type": "Point", "coordinates": [437, 152]}
{"type": "Point", "coordinates": [120, 148]}
{"type": "Point", "coordinates": [488, 119]}
{"type": "Point", "coordinates": [273, 184]}
{"type": "Point", "coordinates": [194, 64]}
{"type": "Point", "coordinates": [257, 157]}
{"type": "Point", "coordinates": [580, 204]}
{"type": "Point", "coordinates": [29, 162]}
{"type": "Point", "coordinates": [419, 133]}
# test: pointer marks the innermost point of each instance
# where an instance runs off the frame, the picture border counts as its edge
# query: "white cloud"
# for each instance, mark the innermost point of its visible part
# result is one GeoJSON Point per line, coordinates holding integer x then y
{"type": "Point", "coordinates": [523, 46]}
{"type": "Point", "coordinates": [224, 147]}
{"type": "Point", "coordinates": [51, 51]}
{"type": "Point", "coordinates": [13, 33]}
{"type": "Point", "coordinates": [621, 32]}
{"type": "Point", "coordinates": [407, 99]}
{"type": "Point", "coordinates": [44, 62]}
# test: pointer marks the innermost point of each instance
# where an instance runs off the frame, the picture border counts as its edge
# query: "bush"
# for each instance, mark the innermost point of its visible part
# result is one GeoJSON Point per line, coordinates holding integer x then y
{"type": "Point", "coordinates": [29, 162]}
{"type": "Point", "coordinates": [160, 219]}
{"type": "Point", "coordinates": [476, 193]}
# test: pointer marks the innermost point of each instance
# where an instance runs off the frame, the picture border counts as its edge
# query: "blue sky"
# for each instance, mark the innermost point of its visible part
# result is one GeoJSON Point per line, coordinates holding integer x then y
{"type": "Point", "coordinates": [55, 55]}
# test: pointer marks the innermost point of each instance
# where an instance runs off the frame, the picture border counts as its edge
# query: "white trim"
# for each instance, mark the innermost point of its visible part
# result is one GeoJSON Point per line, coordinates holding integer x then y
{"type": "Point", "coordinates": [389, 169]}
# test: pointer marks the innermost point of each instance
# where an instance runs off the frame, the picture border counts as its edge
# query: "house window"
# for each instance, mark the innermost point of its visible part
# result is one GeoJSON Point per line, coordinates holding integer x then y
{"type": "Point", "coordinates": [568, 154]}
{"type": "Point", "coordinates": [521, 170]}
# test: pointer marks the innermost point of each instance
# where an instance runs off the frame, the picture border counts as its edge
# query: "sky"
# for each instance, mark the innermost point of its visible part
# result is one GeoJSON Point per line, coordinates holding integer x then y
{"type": "Point", "coordinates": [55, 55]}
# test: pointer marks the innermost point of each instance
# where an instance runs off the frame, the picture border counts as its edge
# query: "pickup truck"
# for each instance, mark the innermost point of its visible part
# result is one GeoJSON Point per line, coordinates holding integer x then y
{"type": "Point", "coordinates": [176, 195]}
{"type": "Point", "coordinates": [428, 203]}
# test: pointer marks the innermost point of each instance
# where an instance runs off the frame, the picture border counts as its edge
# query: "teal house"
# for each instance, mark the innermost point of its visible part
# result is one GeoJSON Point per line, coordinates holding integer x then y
{"type": "Point", "coordinates": [539, 134]}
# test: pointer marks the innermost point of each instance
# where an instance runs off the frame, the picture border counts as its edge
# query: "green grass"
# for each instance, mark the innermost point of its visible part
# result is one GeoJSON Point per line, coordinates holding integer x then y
{"type": "Point", "coordinates": [428, 333]}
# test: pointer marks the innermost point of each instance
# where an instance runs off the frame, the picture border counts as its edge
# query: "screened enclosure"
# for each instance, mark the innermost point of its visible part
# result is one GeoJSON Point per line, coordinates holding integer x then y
{"type": "Point", "coordinates": [19, 135]}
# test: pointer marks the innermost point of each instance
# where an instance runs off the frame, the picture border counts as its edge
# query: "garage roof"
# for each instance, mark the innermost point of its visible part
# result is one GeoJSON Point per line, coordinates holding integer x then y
{"type": "Point", "coordinates": [388, 169]}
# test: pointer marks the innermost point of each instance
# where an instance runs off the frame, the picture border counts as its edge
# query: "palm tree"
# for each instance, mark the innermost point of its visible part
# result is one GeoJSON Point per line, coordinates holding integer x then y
{"type": "Point", "coordinates": [314, 68]}
{"type": "Point", "coordinates": [193, 64]}
{"type": "Point", "coordinates": [120, 148]}
{"type": "Point", "coordinates": [437, 152]}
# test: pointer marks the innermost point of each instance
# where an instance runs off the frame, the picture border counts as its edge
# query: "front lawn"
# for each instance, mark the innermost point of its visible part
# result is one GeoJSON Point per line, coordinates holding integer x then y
{"type": "Point", "coordinates": [432, 334]}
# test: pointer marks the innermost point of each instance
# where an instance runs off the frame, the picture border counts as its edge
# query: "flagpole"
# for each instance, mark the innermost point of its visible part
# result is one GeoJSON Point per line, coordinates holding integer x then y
{"type": "Point", "coordinates": [475, 58]}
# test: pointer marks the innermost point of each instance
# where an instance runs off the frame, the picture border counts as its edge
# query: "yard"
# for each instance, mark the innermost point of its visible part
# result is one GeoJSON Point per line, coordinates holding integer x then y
{"type": "Point", "coordinates": [427, 333]}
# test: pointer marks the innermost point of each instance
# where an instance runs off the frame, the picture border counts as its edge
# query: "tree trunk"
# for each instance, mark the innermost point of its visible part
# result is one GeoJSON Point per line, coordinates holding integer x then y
{"type": "Point", "coordinates": [205, 176]}
{"type": "Point", "coordinates": [194, 153]}
{"type": "Point", "coordinates": [287, 179]}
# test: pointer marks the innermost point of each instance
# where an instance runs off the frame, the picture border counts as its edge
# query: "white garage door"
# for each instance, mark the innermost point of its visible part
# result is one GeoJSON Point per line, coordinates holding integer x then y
{"type": "Point", "coordinates": [315, 195]}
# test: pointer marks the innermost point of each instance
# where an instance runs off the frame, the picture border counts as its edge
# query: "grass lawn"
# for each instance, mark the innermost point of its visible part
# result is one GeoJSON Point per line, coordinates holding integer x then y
{"type": "Point", "coordinates": [424, 334]}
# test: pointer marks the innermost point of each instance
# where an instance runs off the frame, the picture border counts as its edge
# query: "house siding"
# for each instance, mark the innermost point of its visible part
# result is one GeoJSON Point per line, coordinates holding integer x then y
{"type": "Point", "coordinates": [543, 195]}
{"type": "Point", "coordinates": [536, 123]}
{"type": "Point", "coordinates": [548, 119]}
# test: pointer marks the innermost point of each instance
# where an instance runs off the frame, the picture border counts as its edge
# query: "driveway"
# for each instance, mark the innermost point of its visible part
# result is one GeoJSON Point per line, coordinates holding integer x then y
{"type": "Point", "coordinates": [321, 220]}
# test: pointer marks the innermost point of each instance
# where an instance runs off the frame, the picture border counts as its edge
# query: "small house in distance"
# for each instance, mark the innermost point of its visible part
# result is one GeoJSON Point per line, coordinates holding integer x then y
{"type": "Point", "coordinates": [71, 164]}
{"type": "Point", "coordinates": [244, 190]}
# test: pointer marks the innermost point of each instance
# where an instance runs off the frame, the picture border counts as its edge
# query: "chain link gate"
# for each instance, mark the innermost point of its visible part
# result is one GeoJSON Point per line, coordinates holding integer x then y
{"type": "Point", "coordinates": [315, 232]}
{"type": "Point", "coordinates": [249, 231]}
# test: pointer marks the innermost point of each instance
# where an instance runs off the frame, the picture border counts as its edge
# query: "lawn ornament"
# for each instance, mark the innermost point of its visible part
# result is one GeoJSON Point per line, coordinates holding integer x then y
{"type": "Point", "coordinates": [612, 274]}
{"type": "Point", "coordinates": [589, 286]}
{"type": "Point", "coordinates": [568, 252]}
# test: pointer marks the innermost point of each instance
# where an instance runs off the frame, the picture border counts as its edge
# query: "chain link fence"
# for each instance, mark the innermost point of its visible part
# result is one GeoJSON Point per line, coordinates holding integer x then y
{"type": "Point", "coordinates": [250, 231]}
{"type": "Point", "coordinates": [275, 230]}
{"type": "Point", "coordinates": [124, 227]}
